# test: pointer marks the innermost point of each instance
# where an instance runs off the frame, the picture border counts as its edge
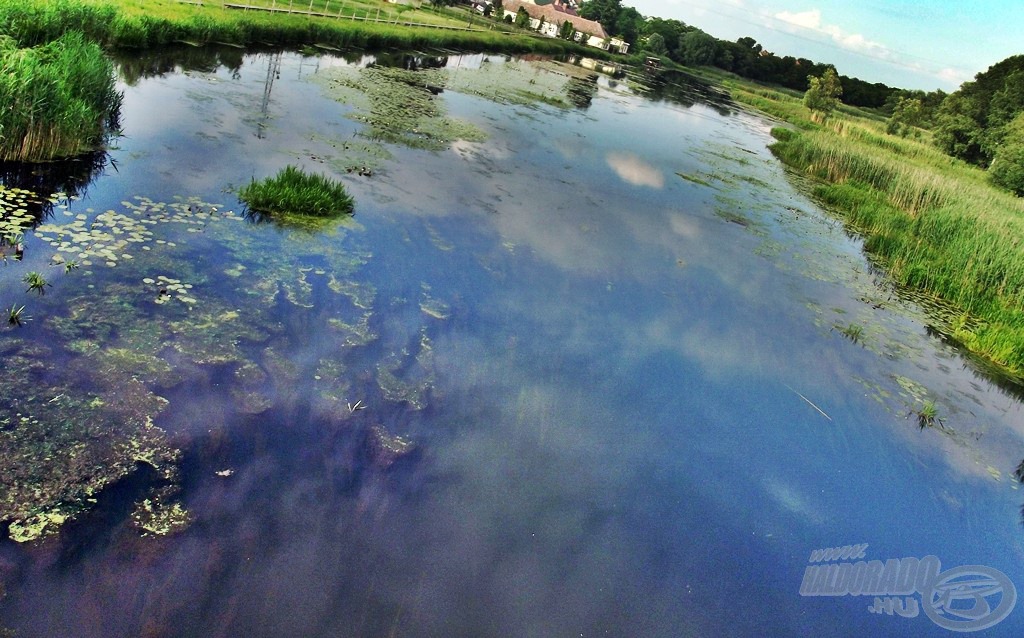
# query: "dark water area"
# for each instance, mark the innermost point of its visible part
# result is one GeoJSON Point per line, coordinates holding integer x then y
{"type": "Point", "coordinates": [589, 365]}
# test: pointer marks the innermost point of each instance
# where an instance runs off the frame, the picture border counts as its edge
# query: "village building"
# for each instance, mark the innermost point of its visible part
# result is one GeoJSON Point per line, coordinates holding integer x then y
{"type": "Point", "coordinates": [548, 16]}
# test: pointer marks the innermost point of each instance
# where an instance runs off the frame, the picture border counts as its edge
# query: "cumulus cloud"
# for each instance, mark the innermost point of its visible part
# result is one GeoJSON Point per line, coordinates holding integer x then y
{"type": "Point", "coordinates": [953, 76]}
{"type": "Point", "coordinates": [811, 20]}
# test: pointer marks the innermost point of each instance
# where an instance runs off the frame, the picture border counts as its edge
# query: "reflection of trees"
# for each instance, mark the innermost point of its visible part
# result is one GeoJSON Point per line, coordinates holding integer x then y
{"type": "Point", "coordinates": [137, 65]}
{"type": "Point", "coordinates": [582, 90]}
{"type": "Point", "coordinates": [70, 177]}
{"type": "Point", "coordinates": [1019, 475]}
{"type": "Point", "coordinates": [683, 89]}
{"type": "Point", "coordinates": [983, 370]}
{"type": "Point", "coordinates": [410, 61]}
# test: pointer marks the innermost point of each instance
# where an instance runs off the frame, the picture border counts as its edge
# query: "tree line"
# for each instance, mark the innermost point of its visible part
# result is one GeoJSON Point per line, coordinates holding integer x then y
{"type": "Point", "coordinates": [690, 46]}
{"type": "Point", "coordinates": [982, 122]}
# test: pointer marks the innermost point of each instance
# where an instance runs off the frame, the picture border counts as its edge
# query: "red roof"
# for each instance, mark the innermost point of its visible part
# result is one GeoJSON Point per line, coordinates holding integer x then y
{"type": "Point", "coordinates": [556, 16]}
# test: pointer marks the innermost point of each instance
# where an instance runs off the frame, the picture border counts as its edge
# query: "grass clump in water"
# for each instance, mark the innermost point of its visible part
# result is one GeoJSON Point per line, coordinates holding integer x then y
{"type": "Point", "coordinates": [294, 193]}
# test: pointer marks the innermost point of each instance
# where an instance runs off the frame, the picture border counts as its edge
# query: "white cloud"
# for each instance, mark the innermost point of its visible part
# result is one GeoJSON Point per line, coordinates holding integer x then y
{"type": "Point", "coordinates": [953, 76]}
{"type": "Point", "coordinates": [811, 20]}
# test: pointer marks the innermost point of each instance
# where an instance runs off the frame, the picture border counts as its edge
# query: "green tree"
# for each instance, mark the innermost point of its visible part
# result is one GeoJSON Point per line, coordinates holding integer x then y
{"type": "Point", "coordinates": [1007, 169]}
{"type": "Point", "coordinates": [905, 116]}
{"type": "Point", "coordinates": [497, 9]}
{"type": "Point", "coordinates": [656, 44]}
{"type": "Point", "coordinates": [629, 24]}
{"type": "Point", "coordinates": [822, 97]}
{"type": "Point", "coordinates": [697, 48]}
{"type": "Point", "coordinates": [522, 18]}
{"type": "Point", "coordinates": [957, 131]}
{"type": "Point", "coordinates": [567, 32]}
{"type": "Point", "coordinates": [604, 11]}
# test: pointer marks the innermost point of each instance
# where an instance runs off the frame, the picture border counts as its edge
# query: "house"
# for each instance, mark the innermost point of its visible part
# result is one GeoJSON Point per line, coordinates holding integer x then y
{"type": "Point", "coordinates": [547, 19]}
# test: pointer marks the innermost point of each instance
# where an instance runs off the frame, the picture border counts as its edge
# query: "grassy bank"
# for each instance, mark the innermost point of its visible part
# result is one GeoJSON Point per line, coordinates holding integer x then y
{"type": "Point", "coordinates": [365, 24]}
{"type": "Point", "coordinates": [935, 223]}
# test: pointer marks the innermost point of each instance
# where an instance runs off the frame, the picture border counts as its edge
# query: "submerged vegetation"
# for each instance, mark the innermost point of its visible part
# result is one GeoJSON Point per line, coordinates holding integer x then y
{"type": "Point", "coordinates": [937, 225]}
{"type": "Point", "coordinates": [59, 98]}
{"type": "Point", "coordinates": [294, 193]}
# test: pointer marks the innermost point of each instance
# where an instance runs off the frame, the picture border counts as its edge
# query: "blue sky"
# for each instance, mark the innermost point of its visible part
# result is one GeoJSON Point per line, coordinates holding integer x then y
{"type": "Point", "coordinates": [918, 44]}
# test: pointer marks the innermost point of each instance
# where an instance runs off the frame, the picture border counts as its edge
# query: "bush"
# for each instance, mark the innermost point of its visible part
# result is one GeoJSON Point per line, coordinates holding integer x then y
{"type": "Point", "coordinates": [1007, 168]}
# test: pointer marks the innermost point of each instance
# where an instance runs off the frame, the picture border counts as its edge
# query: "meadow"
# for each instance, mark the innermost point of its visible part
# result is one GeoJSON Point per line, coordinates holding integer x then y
{"type": "Point", "coordinates": [936, 224]}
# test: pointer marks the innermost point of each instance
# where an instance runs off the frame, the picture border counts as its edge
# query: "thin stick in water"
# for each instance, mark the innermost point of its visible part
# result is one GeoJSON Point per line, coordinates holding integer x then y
{"type": "Point", "coordinates": [809, 402]}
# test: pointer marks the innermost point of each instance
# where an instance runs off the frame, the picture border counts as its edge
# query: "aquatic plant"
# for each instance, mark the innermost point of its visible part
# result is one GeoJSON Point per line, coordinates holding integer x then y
{"type": "Point", "coordinates": [59, 98]}
{"type": "Point", "coordinates": [36, 282]}
{"type": "Point", "coordinates": [16, 315]}
{"type": "Point", "coordinates": [293, 192]}
{"type": "Point", "coordinates": [70, 265]}
{"type": "Point", "coordinates": [927, 414]}
{"type": "Point", "coordinates": [854, 332]}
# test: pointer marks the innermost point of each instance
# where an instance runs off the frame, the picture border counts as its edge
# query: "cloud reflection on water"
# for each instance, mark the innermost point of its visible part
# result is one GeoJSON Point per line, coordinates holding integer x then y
{"type": "Point", "coordinates": [633, 170]}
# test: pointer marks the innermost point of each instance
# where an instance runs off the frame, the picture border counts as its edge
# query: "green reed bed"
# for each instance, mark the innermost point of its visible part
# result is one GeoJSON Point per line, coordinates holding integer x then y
{"type": "Point", "coordinates": [59, 98]}
{"type": "Point", "coordinates": [935, 223]}
{"type": "Point", "coordinates": [294, 193]}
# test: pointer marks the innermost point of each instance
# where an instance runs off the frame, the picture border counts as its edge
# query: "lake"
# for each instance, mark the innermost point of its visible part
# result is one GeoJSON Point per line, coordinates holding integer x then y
{"type": "Point", "coordinates": [585, 361]}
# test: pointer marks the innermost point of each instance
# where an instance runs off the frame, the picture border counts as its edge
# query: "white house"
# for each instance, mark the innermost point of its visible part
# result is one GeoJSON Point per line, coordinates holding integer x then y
{"type": "Point", "coordinates": [547, 19]}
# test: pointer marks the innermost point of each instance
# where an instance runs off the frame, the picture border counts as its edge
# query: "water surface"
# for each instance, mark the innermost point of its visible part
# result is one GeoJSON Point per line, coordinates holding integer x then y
{"type": "Point", "coordinates": [587, 370]}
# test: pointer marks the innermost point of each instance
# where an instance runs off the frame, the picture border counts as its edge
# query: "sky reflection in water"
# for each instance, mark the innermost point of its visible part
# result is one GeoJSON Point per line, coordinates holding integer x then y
{"type": "Point", "coordinates": [618, 438]}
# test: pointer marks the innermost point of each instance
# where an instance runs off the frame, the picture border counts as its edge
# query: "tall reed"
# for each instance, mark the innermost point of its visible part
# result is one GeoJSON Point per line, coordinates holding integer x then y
{"type": "Point", "coordinates": [59, 98]}
{"type": "Point", "coordinates": [937, 224]}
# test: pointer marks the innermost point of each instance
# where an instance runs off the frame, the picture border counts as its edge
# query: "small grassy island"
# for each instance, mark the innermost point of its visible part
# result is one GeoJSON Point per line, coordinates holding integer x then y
{"type": "Point", "coordinates": [293, 193]}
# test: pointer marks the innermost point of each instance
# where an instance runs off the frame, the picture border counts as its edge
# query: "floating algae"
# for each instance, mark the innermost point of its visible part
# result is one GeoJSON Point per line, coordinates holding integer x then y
{"type": "Point", "coordinates": [434, 307]}
{"type": "Point", "coordinates": [60, 445]}
{"type": "Point", "coordinates": [354, 334]}
{"type": "Point", "coordinates": [702, 181]}
{"type": "Point", "coordinates": [398, 106]}
{"type": "Point", "coordinates": [250, 392]}
{"type": "Point", "coordinates": [332, 385]}
{"type": "Point", "coordinates": [408, 379]}
{"type": "Point", "coordinates": [386, 448]}
{"type": "Point", "coordinates": [212, 334]}
{"type": "Point", "coordinates": [361, 294]}
{"type": "Point", "coordinates": [69, 431]}
{"type": "Point", "coordinates": [159, 514]}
